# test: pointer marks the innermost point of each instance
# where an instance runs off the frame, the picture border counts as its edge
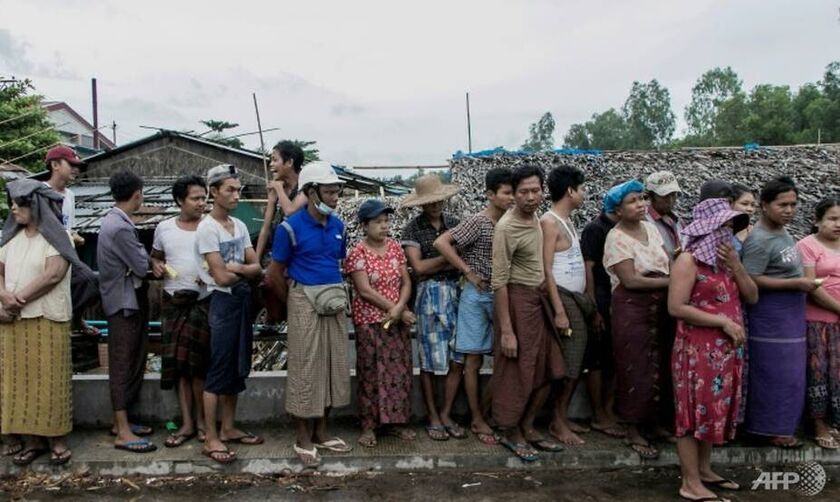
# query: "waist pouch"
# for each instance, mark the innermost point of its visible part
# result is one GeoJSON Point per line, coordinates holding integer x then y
{"type": "Point", "coordinates": [327, 299]}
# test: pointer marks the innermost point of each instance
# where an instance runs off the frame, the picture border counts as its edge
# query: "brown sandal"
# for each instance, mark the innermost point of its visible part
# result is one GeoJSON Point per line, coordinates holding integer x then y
{"type": "Point", "coordinates": [223, 457]}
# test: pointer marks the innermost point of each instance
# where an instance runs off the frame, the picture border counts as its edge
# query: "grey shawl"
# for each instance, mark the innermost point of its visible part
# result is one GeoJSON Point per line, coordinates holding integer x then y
{"type": "Point", "coordinates": [46, 210]}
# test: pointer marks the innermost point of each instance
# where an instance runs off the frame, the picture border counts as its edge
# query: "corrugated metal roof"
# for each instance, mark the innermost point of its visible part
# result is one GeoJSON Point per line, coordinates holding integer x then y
{"type": "Point", "coordinates": [93, 200]}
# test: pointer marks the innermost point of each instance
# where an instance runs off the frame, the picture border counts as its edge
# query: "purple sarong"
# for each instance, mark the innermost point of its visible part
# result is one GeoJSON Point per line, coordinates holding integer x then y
{"type": "Point", "coordinates": [778, 356]}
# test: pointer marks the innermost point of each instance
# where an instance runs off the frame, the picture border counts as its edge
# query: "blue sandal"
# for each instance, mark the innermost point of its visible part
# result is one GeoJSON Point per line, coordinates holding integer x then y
{"type": "Point", "coordinates": [139, 446]}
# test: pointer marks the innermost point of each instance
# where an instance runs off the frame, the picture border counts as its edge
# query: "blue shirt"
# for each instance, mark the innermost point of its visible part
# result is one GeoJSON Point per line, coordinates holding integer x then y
{"type": "Point", "coordinates": [316, 259]}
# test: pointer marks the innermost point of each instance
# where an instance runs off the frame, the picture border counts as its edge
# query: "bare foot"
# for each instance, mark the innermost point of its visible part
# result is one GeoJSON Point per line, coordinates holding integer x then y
{"type": "Point", "coordinates": [563, 433]}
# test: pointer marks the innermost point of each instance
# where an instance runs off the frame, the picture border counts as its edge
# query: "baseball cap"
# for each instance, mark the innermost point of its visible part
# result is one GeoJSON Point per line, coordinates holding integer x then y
{"type": "Point", "coordinates": [662, 183]}
{"type": "Point", "coordinates": [66, 153]}
{"type": "Point", "coordinates": [221, 173]}
{"type": "Point", "coordinates": [372, 208]}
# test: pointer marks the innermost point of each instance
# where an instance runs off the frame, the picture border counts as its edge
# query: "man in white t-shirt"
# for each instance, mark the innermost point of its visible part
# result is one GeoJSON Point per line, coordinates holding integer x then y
{"type": "Point", "coordinates": [64, 165]}
{"type": "Point", "coordinates": [185, 307]}
{"type": "Point", "coordinates": [226, 262]}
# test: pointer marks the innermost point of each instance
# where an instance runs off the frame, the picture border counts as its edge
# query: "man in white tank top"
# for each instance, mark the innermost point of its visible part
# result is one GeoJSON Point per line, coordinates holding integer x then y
{"type": "Point", "coordinates": [565, 276]}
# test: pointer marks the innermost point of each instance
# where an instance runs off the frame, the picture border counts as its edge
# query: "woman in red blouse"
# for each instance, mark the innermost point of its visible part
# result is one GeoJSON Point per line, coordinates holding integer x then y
{"type": "Point", "coordinates": [382, 286]}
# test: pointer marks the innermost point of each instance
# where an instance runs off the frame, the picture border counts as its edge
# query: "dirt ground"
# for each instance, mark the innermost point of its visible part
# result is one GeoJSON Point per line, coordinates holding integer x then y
{"type": "Point", "coordinates": [556, 485]}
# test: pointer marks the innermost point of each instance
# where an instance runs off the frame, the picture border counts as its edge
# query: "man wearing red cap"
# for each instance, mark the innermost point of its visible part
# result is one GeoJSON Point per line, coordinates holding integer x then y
{"type": "Point", "coordinates": [63, 165]}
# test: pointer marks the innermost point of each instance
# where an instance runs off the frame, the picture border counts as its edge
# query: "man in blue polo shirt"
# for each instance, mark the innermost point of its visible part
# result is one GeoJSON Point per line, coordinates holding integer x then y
{"type": "Point", "coordinates": [309, 247]}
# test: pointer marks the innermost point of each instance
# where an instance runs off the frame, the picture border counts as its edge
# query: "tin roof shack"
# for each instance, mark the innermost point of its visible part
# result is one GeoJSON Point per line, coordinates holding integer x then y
{"type": "Point", "coordinates": [160, 159]}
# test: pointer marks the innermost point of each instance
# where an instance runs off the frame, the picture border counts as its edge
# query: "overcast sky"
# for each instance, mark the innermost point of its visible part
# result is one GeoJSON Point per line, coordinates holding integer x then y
{"type": "Point", "coordinates": [383, 82]}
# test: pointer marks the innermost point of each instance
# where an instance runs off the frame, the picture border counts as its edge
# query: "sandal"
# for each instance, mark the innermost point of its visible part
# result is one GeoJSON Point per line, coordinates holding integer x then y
{"type": "Point", "coordinates": [488, 439]}
{"type": "Point", "coordinates": [827, 442]}
{"type": "Point", "coordinates": [223, 457]}
{"type": "Point", "coordinates": [139, 446]}
{"type": "Point", "coordinates": [546, 445]}
{"type": "Point", "coordinates": [402, 433]}
{"type": "Point", "coordinates": [703, 499]}
{"type": "Point", "coordinates": [723, 484]}
{"type": "Point", "coordinates": [247, 439]}
{"type": "Point", "coordinates": [456, 431]}
{"type": "Point", "coordinates": [10, 449]}
{"type": "Point", "coordinates": [176, 440]}
{"type": "Point", "coordinates": [786, 443]}
{"type": "Point", "coordinates": [613, 431]}
{"type": "Point", "coordinates": [367, 439]}
{"type": "Point", "coordinates": [138, 430]}
{"type": "Point", "coordinates": [60, 457]}
{"type": "Point", "coordinates": [437, 432]}
{"type": "Point", "coordinates": [309, 458]}
{"type": "Point", "coordinates": [521, 450]}
{"type": "Point", "coordinates": [337, 445]}
{"type": "Point", "coordinates": [646, 451]}
{"type": "Point", "coordinates": [28, 456]}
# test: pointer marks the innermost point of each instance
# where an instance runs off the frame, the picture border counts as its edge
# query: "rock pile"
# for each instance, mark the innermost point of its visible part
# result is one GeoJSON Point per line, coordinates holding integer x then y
{"type": "Point", "coordinates": [816, 170]}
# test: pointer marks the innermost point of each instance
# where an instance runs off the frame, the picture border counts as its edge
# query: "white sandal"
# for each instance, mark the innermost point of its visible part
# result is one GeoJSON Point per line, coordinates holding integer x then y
{"type": "Point", "coordinates": [335, 444]}
{"type": "Point", "coordinates": [309, 458]}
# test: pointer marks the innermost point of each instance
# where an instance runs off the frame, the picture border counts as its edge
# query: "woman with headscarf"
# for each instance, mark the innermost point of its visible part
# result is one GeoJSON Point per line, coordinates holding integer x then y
{"type": "Point", "coordinates": [708, 282]}
{"type": "Point", "coordinates": [638, 266]}
{"type": "Point", "coordinates": [777, 341]}
{"type": "Point", "coordinates": [35, 257]}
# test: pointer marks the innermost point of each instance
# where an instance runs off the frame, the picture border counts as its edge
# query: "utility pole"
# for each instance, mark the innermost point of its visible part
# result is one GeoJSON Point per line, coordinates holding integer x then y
{"type": "Point", "coordinates": [114, 132]}
{"type": "Point", "coordinates": [469, 126]}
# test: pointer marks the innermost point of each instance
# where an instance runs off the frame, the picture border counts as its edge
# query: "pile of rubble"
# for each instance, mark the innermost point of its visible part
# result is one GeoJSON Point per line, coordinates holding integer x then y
{"type": "Point", "coordinates": [816, 170]}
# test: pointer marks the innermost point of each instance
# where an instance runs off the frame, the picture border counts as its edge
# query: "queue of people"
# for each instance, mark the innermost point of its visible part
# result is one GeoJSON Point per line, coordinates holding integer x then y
{"type": "Point", "coordinates": [685, 332]}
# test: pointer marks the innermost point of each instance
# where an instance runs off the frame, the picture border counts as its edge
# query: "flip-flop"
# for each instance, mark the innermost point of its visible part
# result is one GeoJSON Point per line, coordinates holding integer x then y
{"type": "Point", "coordinates": [488, 439]}
{"type": "Point", "coordinates": [704, 499]}
{"type": "Point", "coordinates": [723, 484]}
{"type": "Point", "coordinates": [247, 439]}
{"type": "Point", "coordinates": [214, 455]}
{"type": "Point", "coordinates": [367, 439]}
{"type": "Point", "coordinates": [60, 458]}
{"type": "Point", "coordinates": [613, 431]}
{"type": "Point", "coordinates": [401, 433]}
{"type": "Point", "coordinates": [578, 428]}
{"type": "Point", "coordinates": [138, 430]}
{"type": "Point", "coordinates": [521, 450]}
{"type": "Point", "coordinates": [176, 440]}
{"type": "Point", "coordinates": [309, 458]}
{"type": "Point", "coordinates": [14, 450]}
{"type": "Point", "coordinates": [827, 442]}
{"type": "Point", "coordinates": [28, 456]}
{"type": "Point", "coordinates": [337, 445]}
{"type": "Point", "coordinates": [437, 432]}
{"type": "Point", "coordinates": [643, 450]}
{"type": "Point", "coordinates": [547, 445]}
{"type": "Point", "coordinates": [139, 446]}
{"type": "Point", "coordinates": [786, 445]}
{"type": "Point", "coordinates": [456, 431]}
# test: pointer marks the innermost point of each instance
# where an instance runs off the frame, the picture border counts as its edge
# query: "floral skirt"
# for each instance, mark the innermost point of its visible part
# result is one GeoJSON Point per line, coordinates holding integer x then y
{"type": "Point", "coordinates": [383, 370]}
{"type": "Point", "coordinates": [824, 371]}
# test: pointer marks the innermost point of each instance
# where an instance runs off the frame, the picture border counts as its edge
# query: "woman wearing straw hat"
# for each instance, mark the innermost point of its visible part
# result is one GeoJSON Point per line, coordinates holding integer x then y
{"type": "Point", "coordinates": [437, 301]}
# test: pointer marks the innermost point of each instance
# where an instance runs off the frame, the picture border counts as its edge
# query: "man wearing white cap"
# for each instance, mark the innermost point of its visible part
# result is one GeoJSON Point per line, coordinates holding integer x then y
{"type": "Point", "coordinates": [310, 247]}
{"type": "Point", "coordinates": [662, 189]}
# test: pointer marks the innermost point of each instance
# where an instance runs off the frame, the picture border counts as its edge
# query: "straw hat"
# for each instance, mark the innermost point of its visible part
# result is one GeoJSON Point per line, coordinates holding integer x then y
{"type": "Point", "coordinates": [429, 189]}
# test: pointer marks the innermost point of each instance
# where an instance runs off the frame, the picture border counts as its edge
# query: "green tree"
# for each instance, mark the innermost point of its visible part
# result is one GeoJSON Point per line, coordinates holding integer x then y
{"type": "Point", "coordinates": [770, 115]}
{"type": "Point", "coordinates": [25, 130]}
{"type": "Point", "coordinates": [710, 92]}
{"type": "Point", "coordinates": [540, 135]}
{"type": "Point", "coordinates": [310, 151]}
{"type": "Point", "coordinates": [605, 131]}
{"type": "Point", "coordinates": [216, 134]}
{"type": "Point", "coordinates": [830, 86]}
{"type": "Point", "coordinates": [647, 111]}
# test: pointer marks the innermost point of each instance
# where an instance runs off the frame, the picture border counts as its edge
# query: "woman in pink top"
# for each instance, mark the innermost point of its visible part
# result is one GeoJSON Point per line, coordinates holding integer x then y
{"type": "Point", "coordinates": [821, 258]}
